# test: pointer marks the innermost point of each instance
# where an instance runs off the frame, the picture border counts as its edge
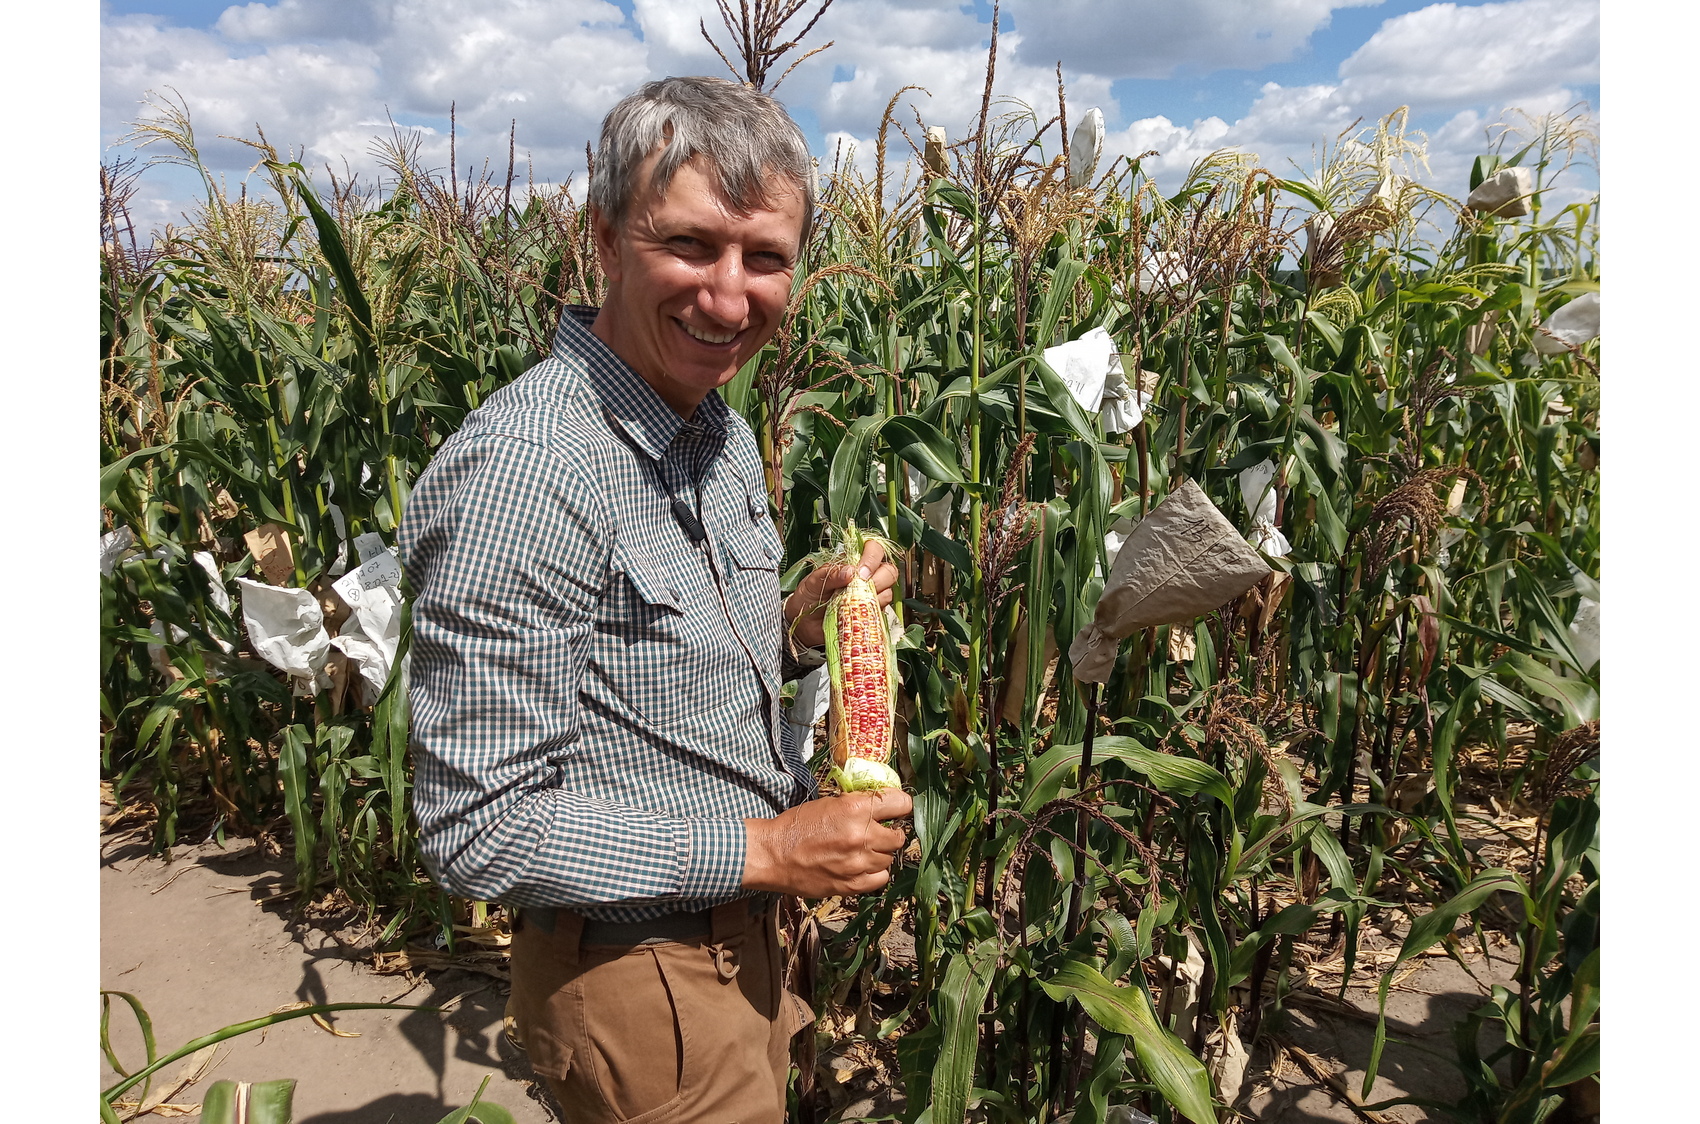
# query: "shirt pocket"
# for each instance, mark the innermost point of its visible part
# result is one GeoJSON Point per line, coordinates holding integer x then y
{"type": "Point", "coordinates": [657, 596]}
{"type": "Point", "coordinates": [753, 552]}
{"type": "Point", "coordinates": [660, 664]}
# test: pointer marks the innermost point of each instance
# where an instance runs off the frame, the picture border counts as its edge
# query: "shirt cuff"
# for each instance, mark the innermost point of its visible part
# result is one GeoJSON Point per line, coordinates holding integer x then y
{"type": "Point", "coordinates": [714, 868]}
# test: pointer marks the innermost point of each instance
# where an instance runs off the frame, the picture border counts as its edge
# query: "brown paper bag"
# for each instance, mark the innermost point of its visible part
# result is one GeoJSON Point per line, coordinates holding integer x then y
{"type": "Point", "coordinates": [1182, 560]}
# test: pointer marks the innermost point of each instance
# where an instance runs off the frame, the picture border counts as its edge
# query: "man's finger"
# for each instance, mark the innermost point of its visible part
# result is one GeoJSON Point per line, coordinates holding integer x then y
{"type": "Point", "coordinates": [872, 555]}
{"type": "Point", "coordinates": [890, 840]}
{"type": "Point", "coordinates": [890, 804]}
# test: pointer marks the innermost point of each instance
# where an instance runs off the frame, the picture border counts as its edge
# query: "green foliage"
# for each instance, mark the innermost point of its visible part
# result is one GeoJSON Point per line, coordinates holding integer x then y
{"type": "Point", "coordinates": [1291, 760]}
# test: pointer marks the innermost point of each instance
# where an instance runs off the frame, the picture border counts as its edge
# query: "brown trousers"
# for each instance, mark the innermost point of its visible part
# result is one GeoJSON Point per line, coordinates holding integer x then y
{"type": "Point", "coordinates": [696, 1031]}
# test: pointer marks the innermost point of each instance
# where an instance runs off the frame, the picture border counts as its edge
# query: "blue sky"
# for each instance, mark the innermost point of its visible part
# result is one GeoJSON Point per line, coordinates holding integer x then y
{"type": "Point", "coordinates": [1275, 77]}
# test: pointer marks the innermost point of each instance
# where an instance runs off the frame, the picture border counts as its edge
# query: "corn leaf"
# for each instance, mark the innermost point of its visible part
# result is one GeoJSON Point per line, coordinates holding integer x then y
{"type": "Point", "coordinates": [1182, 776]}
{"type": "Point", "coordinates": [962, 994]}
{"type": "Point", "coordinates": [1178, 1076]}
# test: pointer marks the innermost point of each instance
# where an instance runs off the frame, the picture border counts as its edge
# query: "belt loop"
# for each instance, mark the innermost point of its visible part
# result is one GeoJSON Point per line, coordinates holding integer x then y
{"type": "Point", "coordinates": [569, 926]}
{"type": "Point", "coordinates": [727, 925]}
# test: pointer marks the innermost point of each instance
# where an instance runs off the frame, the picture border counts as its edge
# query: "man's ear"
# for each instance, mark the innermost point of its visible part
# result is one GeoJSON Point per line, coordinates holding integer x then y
{"type": "Point", "coordinates": [607, 238]}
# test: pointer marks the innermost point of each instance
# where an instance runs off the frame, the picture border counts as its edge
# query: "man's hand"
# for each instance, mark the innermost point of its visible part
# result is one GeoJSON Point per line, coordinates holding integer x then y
{"type": "Point", "coordinates": [827, 847]}
{"type": "Point", "coordinates": [805, 610]}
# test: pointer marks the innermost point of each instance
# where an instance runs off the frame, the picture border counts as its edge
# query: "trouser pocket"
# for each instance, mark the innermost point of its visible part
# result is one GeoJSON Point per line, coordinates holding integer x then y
{"type": "Point", "coordinates": [636, 1049]}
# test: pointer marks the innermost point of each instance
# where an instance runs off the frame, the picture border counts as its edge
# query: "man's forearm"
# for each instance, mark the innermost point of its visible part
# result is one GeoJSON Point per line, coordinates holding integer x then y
{"type": "Point", "coordinates": [558, 848]}
{"type": "Point", "coordinates": [825, 847]}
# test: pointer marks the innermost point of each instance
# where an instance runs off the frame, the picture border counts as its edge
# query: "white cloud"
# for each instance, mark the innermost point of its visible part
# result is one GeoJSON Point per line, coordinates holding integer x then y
{"type": "Point", "coordinates": [1157, 38]}
{"type": "Point", "coordinates": [322, 75]}
{"type": "Point", "coordinates": [1475, 63]}
{"type": "Point", "coordinates": [1445, 55]}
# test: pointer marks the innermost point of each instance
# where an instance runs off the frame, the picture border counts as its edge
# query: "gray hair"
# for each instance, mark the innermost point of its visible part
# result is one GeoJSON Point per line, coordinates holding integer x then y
{"type": "Point", "coordinates": [744, 134]}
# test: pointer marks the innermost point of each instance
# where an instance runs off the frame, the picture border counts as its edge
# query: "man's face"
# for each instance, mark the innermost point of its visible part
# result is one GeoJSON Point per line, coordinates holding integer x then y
{"type": "Point", "coordinates": [694, 289]}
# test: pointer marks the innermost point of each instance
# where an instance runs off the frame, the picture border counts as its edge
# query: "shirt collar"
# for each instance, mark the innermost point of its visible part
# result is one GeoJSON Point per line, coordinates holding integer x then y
{"type": "Point", "coordinates": [630, 402]}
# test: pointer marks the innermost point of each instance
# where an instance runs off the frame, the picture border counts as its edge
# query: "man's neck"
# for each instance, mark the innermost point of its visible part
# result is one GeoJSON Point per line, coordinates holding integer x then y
{"type": "Point", "coordinates": [606, 327]}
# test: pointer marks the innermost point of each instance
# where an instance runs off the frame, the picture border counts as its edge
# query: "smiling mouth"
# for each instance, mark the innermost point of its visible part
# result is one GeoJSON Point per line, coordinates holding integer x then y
{"type": "Point", "coordinates": [718, 338]}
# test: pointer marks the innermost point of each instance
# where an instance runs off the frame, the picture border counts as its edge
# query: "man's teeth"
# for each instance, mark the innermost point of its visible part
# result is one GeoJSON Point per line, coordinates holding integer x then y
{"type": "Point", "coordinates": [709, 337]}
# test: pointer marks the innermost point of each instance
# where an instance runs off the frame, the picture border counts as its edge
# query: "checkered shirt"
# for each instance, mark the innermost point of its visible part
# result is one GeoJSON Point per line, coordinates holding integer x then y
{"type": "Point", "coordinates": [595, 700]}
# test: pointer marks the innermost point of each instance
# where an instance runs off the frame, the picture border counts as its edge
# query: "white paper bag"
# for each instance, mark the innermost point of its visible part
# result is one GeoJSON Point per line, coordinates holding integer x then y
{"type": "Point", "coordinates": [1162, 271]}
{"type": "Point", "coordinates": [1085, 148]}
{"type": "Point", "coordinates": [1585, 632]}
{"type": "Point", "coordinates": [1571, 326]}
{"type": "Point", "coordinates": [1116, 536]}
{"type": "Point", "coordinates": [1084, 365]}
{"type": "Point", "coordinates": [1257, 491]}
{"type": "Point", "coordinates": [369, 545]}
{"type": "Point", "coordinates": [114, 545]}
{"type": "Point", "coordinates": [1505, 193]}
{"type": "Point", "coordinates": [286, 628]}
{"type": "Point", "coordinates": [813, 697]}
{"type": "Point", "coordinates": [936, 513]}
{"type": "Point", "coordinates": [339, 564]}
{"type": "Point", "coordinates": [1122, 406]}
{"type": "Point", "coordinates": [371, 633]}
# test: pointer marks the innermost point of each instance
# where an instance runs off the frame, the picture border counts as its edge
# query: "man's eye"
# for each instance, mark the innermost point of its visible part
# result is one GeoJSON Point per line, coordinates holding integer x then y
{"type": "Point", "coordinates": [769, 261]}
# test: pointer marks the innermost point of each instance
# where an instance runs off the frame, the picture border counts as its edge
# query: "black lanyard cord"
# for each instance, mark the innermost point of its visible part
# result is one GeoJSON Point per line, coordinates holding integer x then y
{"type": "Point", "coordinates": [690, 522]}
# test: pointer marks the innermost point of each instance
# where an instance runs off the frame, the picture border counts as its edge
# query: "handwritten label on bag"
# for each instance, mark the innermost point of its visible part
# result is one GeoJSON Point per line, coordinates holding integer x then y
{"type": "Point", "coordinates": [369, 545]}
{"type": "Point", "coordinates": [348, 588]}
{"type": "Point", "coordinates": [380, 569]}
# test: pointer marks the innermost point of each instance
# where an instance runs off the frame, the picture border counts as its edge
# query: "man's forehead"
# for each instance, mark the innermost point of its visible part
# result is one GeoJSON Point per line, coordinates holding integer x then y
{"type": "Point", "coordinates": [777, 194]}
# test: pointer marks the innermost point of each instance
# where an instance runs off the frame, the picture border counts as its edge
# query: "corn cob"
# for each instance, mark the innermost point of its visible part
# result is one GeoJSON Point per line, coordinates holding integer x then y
{"type": "Point", "coordinates": [862, 671]}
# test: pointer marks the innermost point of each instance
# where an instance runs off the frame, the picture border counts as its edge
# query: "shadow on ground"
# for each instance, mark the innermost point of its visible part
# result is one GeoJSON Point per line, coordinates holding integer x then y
{"type": "Point", "coordinates": [185, 938]}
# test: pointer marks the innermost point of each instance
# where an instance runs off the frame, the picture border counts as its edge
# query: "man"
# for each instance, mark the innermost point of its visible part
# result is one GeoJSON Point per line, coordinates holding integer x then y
{"type": "Point", "coordinates": [598, 643]}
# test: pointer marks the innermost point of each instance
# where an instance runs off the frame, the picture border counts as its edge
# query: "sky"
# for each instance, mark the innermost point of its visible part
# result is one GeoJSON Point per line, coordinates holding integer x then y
{"type": "Point", "coordinates": [1279, 78]}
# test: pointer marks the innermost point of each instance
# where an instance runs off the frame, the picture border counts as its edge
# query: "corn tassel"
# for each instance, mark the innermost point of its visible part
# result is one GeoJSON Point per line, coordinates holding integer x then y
{"type": "Point", "coordinates": [862, 672]}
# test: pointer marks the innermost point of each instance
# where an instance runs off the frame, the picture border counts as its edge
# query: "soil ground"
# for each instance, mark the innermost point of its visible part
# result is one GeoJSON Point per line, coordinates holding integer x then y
{"type": "Point", "coordinates": [190, 940]}
{"type": "Point", "coordinates": [202, 942]}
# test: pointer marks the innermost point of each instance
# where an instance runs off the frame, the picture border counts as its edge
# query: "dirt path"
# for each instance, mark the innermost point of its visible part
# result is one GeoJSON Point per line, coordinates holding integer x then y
{"type": "Point", "coordinates": [189, 940]}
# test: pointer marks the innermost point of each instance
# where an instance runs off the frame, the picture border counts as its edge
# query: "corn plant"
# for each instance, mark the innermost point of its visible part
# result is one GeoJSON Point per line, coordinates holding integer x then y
{"type": "Point", "coordinates": [1110, 883]}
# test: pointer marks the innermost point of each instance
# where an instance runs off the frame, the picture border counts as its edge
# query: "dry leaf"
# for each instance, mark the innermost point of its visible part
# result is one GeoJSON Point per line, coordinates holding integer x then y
{"type": "Point", "coordinates": [322, 1022]}
{"type": "Point", "coordinates": [191, 1071]}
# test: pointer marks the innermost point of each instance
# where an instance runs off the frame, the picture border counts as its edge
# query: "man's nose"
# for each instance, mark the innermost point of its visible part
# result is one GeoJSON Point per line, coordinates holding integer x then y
{"type": "Point", "coordinates": [725, 289]}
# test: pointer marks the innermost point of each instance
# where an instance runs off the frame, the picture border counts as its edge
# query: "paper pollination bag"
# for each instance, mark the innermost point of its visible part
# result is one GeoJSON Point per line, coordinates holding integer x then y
{"type": "Point", "coordinates": [1086, 148]}
{"type": "Point", "coordinates": [1571, 326]}
{"type": "Point", "coordinates": [1182, 560]}
{"type": "Point", "coordinates": [1505, 194]}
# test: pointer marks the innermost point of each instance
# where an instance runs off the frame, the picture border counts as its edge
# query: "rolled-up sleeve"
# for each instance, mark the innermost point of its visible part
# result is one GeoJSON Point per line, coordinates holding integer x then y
{"type": "Point", "coordinates": [506, 548]}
